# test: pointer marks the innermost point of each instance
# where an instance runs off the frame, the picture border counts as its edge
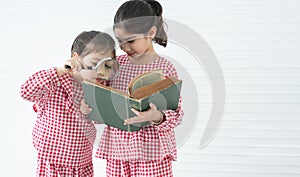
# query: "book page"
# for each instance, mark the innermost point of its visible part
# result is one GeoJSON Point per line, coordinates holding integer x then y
{"type": "Point", "coordinates": [145, 79]}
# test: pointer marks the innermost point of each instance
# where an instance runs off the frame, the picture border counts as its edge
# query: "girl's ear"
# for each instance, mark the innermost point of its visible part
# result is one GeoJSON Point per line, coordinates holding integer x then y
{"type": "Point", "coordinates": [152, 32]}
{"type": "Point", "coordinates": [75, 55]}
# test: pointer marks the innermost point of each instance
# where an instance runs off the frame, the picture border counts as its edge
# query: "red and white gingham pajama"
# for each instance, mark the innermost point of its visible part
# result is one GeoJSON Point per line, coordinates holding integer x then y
{"type": "Point", "coordinates": [53, 170]}
{"type": "Point", "coordinates": [137, 152]}
{"type": "Point", "coordinates": [139, 169]}
{"type": "Point", "coordinates": [63, 137]}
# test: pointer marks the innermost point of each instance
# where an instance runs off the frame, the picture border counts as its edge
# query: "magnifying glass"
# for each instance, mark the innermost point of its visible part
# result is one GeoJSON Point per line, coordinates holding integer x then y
{"type": "Point", "coordinates": [106, 68]}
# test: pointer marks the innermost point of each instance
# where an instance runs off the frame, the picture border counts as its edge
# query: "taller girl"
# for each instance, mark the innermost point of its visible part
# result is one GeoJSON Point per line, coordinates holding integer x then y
{"type": "Point", "coordinates": [147, 152]}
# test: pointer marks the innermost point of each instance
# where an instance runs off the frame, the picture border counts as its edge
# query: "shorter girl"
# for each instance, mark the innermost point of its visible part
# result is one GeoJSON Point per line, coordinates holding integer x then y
{"type": "Point", "coordinates": [62, 136]}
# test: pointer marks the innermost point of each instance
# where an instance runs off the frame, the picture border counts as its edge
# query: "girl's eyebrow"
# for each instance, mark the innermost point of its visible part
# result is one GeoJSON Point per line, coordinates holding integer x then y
{"type": "Point", "coordinates": [128, 38]}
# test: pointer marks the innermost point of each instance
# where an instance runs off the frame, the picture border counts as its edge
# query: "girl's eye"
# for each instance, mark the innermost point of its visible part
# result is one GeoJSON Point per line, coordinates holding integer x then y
{"type": "Point", "coordinates": [131, 41]}
{"type": "Point", "coordinates": [107, 66]}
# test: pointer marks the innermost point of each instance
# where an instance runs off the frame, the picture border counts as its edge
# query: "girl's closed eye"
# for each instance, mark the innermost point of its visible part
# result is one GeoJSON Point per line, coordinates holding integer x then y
{"type": "Point", "coordinates": [131, 41]}
{"type": "Point", "coordinates": [107, 66]}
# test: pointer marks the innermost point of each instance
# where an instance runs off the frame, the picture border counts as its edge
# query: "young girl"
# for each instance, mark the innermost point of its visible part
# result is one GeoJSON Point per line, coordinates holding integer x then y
{"type": "Point", "coordinates": [149, 151]}
{"type": "Point", "coordinates": [62, 136]}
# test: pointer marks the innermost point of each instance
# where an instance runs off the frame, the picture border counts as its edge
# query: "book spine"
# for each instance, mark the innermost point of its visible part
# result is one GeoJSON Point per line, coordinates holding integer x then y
{"type": "Point", "coordinates": [135, 104]}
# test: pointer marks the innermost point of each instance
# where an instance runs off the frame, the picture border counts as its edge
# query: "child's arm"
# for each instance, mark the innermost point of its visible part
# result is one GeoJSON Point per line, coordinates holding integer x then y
{"type": "Point", "coordinates": [43, 82]}
{"type": "Point", "coordinates": [165, 121]}
{"type": "Point", "coordinates": [173, 117]}
{"type": "Point", "coordinates": [39, 84]}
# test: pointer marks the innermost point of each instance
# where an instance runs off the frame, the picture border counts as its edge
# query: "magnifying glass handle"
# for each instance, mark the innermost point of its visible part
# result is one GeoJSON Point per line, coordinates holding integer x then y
{"type": "Point", "coordinates": [68, 67]}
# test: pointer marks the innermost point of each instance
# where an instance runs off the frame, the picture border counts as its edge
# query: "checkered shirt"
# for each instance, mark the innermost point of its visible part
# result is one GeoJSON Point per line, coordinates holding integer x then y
{"type": "Point", "coordinates": [61, 133]}
{"type": "Point", "coordinates": [151, 142]}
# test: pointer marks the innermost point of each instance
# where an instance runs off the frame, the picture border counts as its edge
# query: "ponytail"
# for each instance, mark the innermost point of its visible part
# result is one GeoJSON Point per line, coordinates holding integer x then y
{"type": "Point", "coordinates": [161, 35]}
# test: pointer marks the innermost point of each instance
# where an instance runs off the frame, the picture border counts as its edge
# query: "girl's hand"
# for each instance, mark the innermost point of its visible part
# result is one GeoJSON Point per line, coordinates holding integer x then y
{"type": "Point", "coordinates": [84, 108]}
{"type": "Point", "coordinates": [152, 114]}
{"type": "Point", "coordinates": [71, 66]}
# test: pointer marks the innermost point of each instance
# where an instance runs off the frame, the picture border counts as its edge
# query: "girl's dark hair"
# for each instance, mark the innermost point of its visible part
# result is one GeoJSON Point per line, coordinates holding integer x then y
{"type": "Point", "coordinates": [93, 41]}
{"type": "Point", "coordinates": [138, 16]}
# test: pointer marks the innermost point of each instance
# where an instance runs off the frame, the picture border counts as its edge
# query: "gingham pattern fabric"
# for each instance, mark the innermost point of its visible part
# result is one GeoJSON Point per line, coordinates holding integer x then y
{"type": "Point", "coordinates": [119, 168]}
{"type": "Point", "coordinates": [46, 169]}
{"type": "Point", "coordinates": [151, 142]}
{"type": "Point", "coordinates": [61, 134]}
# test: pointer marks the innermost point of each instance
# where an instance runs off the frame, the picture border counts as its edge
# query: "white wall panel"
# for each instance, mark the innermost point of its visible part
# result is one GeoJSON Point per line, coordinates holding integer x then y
{"type": "Point", "coordinates": [256, 42]}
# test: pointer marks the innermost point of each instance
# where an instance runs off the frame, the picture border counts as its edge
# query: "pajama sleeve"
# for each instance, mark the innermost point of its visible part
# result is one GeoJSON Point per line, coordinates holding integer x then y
{"type": "Point", "coordinates": [39, 85]}
{"type": "Point", "coordinates": [173, 117]}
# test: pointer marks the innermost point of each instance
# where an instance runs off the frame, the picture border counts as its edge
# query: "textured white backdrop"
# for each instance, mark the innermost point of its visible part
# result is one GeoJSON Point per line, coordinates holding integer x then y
{"type": "Point", "coordinates": [257, 44]}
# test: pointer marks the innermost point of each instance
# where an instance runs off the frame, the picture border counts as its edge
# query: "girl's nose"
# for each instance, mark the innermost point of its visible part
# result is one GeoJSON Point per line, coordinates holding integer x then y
{"type": "Point", "coordinates": [100, 74]}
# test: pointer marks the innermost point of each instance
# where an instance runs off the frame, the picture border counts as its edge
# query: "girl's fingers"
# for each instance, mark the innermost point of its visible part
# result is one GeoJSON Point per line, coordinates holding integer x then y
{"type": "Point", "coordinates": [133, 120]}
{"type": "Point", "coordinates": [153, 106]}
{"type": "Point", "coordinates": [70, 64]}
{"type": "Point", "coordinates": [74, 64]}
{"type": "Point", "coordinates": [78, 65]}
{"type": "Point", "coordinates": [84, 108]}
{"type": "Point", "coordinates": [81, 64]}
{"type": "Point", "coordinates": [136, 112]}
{"type": "Point", "coordinates": [82, 102]}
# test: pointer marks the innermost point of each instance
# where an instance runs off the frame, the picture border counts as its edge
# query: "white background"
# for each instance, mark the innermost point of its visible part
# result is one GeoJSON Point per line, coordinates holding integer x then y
{"type": "Point", "coordinates": [257, 44]}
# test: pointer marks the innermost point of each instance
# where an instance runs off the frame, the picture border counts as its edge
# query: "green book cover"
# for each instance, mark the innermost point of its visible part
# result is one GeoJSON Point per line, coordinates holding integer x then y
{"type": "Point", "coordinates": [112, 107]}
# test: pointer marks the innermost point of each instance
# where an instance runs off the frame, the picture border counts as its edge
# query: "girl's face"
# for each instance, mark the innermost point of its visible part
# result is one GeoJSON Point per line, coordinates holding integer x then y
{"type": "Point", "coordinates": [135, 45]}
{"type": "Point", "coordinates": [100, 73]}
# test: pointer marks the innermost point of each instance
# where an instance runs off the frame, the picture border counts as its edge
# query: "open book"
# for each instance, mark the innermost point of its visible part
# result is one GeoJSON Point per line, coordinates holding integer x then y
{"type": "Point", "coordinates": [112, 107]}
